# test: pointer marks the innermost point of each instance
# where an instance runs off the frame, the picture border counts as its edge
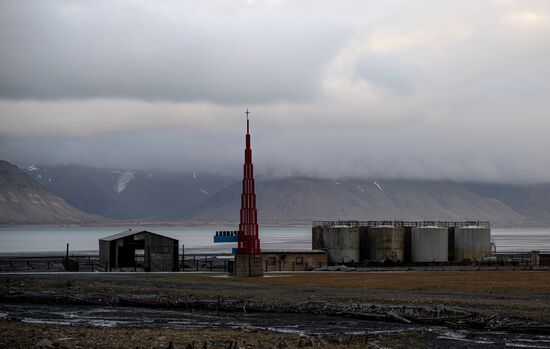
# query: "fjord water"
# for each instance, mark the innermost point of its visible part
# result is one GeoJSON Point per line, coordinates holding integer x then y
{"type": "Point", "coordinates": [195, 240]}
{"type": "Point", "coordinates": [199, 239]}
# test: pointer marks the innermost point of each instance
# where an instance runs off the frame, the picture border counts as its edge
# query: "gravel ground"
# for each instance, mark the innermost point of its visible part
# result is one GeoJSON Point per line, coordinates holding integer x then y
{"type": "Point", "coordinates": [520, 294]}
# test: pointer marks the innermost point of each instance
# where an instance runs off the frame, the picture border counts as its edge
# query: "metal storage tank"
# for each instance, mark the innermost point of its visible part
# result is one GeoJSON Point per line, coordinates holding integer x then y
{"type": "Point", "coordinates": [341, 243]}
{"type": "Point", "coordinates": [317, 242]}
{"type": "Point", "coordinates": [385, 243]}
{"type": "Point", "coordinates": [429, 244]}
{"type": "Point", "coordinates": [470, 243]}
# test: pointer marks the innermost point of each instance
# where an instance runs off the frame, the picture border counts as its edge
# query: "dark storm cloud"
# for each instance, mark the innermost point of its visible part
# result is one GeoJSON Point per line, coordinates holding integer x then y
{"type": "Point", "coordinates": [424, 89]}
{"type": "Point", "coordinates": [144, 50]}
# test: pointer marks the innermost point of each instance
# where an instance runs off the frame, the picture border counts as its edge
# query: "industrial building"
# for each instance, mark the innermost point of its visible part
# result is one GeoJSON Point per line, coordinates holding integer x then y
{"type": "Point", "coordinates": [294, 260]}
{"type": "Point", "coordinates": [401, 242]}
{"type": "Point", "coordinates": [144, 250]}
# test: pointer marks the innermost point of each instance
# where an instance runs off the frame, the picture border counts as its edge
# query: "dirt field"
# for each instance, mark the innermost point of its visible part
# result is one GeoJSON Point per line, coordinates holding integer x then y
{"type": "Point", "coordinates": [519, 294]}
{"type": "Point", "coordinates": [48, 336]}
{"type": "Point", "coordinates": [491, 282]}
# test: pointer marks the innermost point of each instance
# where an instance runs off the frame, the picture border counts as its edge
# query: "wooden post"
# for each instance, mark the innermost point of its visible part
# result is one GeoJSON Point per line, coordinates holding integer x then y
{"type": "Point", "coordinates": [67, 257]}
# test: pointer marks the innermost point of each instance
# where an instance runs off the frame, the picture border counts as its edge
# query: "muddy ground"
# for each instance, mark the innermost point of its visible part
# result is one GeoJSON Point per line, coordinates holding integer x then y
{"type": "Point", "coordinates": [520, 295]}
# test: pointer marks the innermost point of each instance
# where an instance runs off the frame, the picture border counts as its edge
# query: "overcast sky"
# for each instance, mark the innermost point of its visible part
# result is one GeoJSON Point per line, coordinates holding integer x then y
{"type": "Point", "coordinates": [437, 89]}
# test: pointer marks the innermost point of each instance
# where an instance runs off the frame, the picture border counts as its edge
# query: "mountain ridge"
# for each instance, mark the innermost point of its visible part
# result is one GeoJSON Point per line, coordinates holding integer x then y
{"type": "Point", "coordinates": [300, 200]}
{"type": "Point", "coordinates": [196, 196]}
{"type": "Point", "coordinates": [24, 201]}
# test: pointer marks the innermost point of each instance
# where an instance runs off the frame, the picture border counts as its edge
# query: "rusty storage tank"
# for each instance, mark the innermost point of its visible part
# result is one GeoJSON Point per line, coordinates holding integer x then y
{"type": "Point", "coordinates": [429, 244]}
{"type": "Point", "coordinates": [385, 243]}
{"type": "Point", "coordinates": [341, 243]}
{"type": "Point", "coordinates": [469, 243]}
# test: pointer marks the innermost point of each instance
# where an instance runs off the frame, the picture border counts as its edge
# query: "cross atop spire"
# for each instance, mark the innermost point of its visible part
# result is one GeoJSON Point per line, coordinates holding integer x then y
{"type": "Point", "coordinates": [247, 124]}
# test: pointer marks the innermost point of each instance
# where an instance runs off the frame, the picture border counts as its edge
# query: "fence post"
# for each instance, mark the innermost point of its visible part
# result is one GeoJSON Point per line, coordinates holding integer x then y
{"type": "Point", "coordinates": [182, 259]}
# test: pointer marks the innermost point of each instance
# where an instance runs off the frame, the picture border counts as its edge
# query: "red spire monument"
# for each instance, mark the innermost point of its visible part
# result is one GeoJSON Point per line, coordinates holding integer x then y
{"type": "Point", "coordinates": [247, 260]}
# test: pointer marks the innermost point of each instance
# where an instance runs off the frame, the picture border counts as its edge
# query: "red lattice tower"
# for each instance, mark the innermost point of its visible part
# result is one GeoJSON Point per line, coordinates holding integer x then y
{"type": "Point", "coordinates": [249, 243]}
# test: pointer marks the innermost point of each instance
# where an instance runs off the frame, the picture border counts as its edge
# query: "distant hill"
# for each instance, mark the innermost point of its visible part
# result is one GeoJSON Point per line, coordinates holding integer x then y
{"type": "Point", "coordinates": [531, 200]}
{"type": "Point", "coordinates": [25, 201]}
{"type": "Point", "coordinates": [301, 200]}
{"type": "Point", "coordinates": [208, 197]}
{"type": "Point", "coordinates": [120, 194]}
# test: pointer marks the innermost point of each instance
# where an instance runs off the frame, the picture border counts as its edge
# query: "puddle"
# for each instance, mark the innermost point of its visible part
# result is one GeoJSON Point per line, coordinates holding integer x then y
{"type": "Point", "coordinates": [300, 324]}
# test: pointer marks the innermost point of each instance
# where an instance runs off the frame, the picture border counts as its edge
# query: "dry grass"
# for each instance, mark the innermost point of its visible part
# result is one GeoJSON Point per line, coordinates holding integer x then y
{"type": "Point", "coordinates": [506, 282]}
{"type": "Point", "coordinates": [24, 335]}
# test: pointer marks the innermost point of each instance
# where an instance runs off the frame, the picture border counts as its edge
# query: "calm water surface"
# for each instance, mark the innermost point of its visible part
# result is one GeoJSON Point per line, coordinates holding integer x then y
{"type": "Point", "coordinates": [199, 240]}
{"type": "Point", "coordinates": [196, 240]}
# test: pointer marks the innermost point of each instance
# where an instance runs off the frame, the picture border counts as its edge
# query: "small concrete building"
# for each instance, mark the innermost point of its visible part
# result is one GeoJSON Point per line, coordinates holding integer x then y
{"type": "Point", "coordinates": [118, 252]}
{"type": "Point", "coordinates": [540, 258]}
{"type": "Point", "coordinates": [294, 260]}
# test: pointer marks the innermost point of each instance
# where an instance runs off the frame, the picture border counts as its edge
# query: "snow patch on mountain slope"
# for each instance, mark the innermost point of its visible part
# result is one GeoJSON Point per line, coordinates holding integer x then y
{"type": "Point", "coordinates": [122, 179]}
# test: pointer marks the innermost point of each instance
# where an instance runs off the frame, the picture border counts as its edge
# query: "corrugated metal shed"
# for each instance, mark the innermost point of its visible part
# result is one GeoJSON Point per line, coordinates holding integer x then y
{"type": "Point", "coordinates": [118, 251]}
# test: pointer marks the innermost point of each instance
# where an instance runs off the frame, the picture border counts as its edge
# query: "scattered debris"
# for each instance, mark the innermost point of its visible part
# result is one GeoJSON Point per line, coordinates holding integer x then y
{"type": "Point", "coordinates": [446, 316]}
{"type": "Point", "coordinates": [335, 268]}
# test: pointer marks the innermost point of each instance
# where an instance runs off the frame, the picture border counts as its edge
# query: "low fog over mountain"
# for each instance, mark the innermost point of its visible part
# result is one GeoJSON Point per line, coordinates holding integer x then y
{"type": "Point", "coordinates": [194, 196]}
{"type": "Point", "coordinates": [418, 98]}
{"type": "Point", "coordinates": [367, 89]}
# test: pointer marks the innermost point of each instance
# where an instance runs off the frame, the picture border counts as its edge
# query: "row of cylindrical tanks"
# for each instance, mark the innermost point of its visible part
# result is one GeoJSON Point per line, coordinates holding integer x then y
{"type": "Point", "coordinates": [420, 244]}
